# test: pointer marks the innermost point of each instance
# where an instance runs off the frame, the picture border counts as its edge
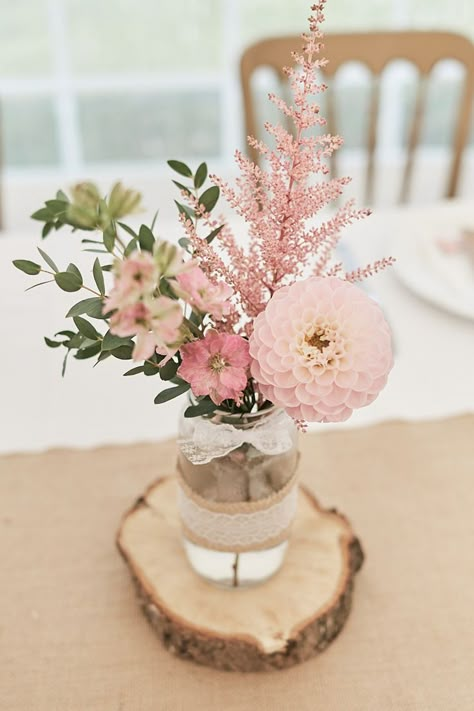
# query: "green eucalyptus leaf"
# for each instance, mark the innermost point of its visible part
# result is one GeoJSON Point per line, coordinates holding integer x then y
{"type": "Point", "coordinates": [91, 307]}
{"type": "Point", "coordinates": [171, 393]}
{"type": "Point", "coordinates": [88, 352]}
{"type": "Point", "coordinates": [74, 270]}
{"type": "Point", "coordinates": [111, 341]}
{"type": "Point", "coordinates": [24, 265]}
{"type": "Point", "coordinates": [213, 234]}
{"type": "Point", "coordinates": [60, 195]}
{"type": "Point", "coordinates": [146, 238]}
{"type": "Point", "coordinates": [185, 243]}
{"type": "Point", "coordinates": [150, 369]}
{"type": "Point", "coordinates": [135, 371]}
{"type": "Point", "coordinates": [52, 344]}
{"type": "Point", "coordinates": [184, 210]}
{"type": "Point", "coordinates": [109, 239]}
{"type": "Point", "coordinates": [209, 198]}
{"type": "Point", "coordinates": [180, 168]}
{"type": "Point", "coordinates": [131, 247]}
{"type": "Point", "coordinates": [200, 175]}
{"type": "Point", "coordinates": [152, 226]}
{"type": "Point", "coordinates": [67, 281]}
{"type": "Point", "coordinates": [48, 260]}
{"type": "Point", "coordinates": [168, 370]}
{"type": "Point", "coordinates": [123, 352]}
{"type": "Point", "coordinates": [47, 227]}
{"type": "Point", "coordinates": [180, 186]}
{"type": "Point", "coordinates": [203, 407]}
{"type": "Point", "coordinates": [56, 206]}
{"type": "Point", "coordinates": [44, 214]}
{"type": "Point", "coordinates": [98, 276]}
{"type": "Point", "coordinates": [128, 229]}
{"type": "Point", "coordinates": [86, 328]}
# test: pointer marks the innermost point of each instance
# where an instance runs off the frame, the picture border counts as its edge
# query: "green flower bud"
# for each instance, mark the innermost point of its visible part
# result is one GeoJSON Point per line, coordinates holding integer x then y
{"type": "Point", "coordinates": [123, 201]}
{"type": "Point", "coordinates": [168, 258]}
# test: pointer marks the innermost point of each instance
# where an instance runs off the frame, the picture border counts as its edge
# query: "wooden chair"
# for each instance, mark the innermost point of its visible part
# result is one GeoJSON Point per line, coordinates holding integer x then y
{"type": "Point", "coordinates": [375, 50]}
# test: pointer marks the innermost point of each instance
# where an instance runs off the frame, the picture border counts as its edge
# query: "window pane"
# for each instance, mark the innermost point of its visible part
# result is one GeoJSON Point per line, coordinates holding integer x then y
{"type": "Point", "coordinates": [29, 130]}
{"type": "Point", "coordinates": [146, 127]}
{"type": "Point", "coordinates": [24, 38]}
{"type": "Point", "coordinates": [146, 36]}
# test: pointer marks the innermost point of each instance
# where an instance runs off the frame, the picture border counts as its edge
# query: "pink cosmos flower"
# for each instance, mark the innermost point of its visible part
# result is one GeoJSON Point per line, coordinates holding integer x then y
{"type": "Point", "coordinates": [320, 349]}
{"type": "Point", "coordinates": [195, 288]}
{"type": "Point", "coordinates": [134, 276]}
{"type": "Point", "coordinates": [216, 365]}
{"type": "Point", "coordinates": [156, 325]}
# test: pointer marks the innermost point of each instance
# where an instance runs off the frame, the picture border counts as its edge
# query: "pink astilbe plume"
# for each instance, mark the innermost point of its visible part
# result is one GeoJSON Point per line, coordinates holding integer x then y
{"type": "Point", "coordinates": [279, 203]}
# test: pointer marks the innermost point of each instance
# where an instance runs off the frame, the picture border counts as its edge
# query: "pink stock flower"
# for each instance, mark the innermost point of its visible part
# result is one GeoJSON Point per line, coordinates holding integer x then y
{"type": "Point", "coordinates": [156, 325]}
{"type": "Point", "coordinates": [134, 276]}
{"type": "Point", "coordinates": [321, 349]}
{"type": "Point", "coordinates": [203, 295]}
{"type": "Point", "coordinates": [216, 365]}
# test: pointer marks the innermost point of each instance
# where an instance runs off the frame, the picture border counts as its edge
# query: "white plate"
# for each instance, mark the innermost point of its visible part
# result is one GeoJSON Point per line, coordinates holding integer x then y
{"type": "Point", "coordinates": [444, 279]}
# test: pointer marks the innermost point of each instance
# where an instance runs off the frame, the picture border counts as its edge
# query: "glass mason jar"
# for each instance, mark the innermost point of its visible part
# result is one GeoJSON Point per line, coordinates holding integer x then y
{"type": "Point", "coordinates": [237, 493]}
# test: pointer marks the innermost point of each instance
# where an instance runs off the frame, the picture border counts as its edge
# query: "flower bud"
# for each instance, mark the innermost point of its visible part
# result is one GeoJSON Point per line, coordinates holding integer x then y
{"type": "Point", "coordinates": [122, 201]}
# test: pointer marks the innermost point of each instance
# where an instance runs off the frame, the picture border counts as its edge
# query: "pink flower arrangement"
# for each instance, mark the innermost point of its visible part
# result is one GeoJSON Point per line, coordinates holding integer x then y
{"type": "Point", "coordinates": [241, 327]}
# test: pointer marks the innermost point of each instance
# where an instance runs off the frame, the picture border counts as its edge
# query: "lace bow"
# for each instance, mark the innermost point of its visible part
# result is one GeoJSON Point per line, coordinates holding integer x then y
{"type": "Point", "coordinates": [205, 440]}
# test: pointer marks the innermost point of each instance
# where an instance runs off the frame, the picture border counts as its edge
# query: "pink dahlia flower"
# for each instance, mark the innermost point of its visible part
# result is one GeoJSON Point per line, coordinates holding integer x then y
{"type": "Point", "coordinates": [195, 288]}
{"type": "Point", "coordinates": [320, 349]}
{"type": "Point", "coordinates": [216, 365]}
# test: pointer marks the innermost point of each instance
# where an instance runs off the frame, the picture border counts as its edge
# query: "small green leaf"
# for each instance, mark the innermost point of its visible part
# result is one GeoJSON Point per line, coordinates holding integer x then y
{"type": "Point", "coordinates": [92, 241]}
{"type": "Point", "coordinates": [91, 307]}
{"type": "Point", "coordinates": [150, 368]}
{"type": "Point", "coordinates": [56, 206]}
{"type": "Point", "coordinates": [67, 281]}
{"type": "Point", "coordinates": [98, 276]}
{"type": "Point", "coordinates": [60, 195]}
{"type": "Point", "coordinates": [52, 344]}
{"type": "Point", "coordinates": [185, 243]}
{"type": "Point", "coordinates": [131, 247]}
{"type": "Point", "coordinates": [48, 260]}
{"type": "Point", "coordinates": [200, 176]}
{"type": "Point", "coordinates": [152, 226]}
{"type": "Point", "coordinates": [112, 341]}
{"type": "Point", "coordinates": [168, 370]}
{"type": "Point", "coordinates": [47, 227]}
{"type": "Point", "coordinates": [26, 266]}
{"type": "Point", "coordinates": [74, 270]}
{"type": "Point", "coordinates": [171, 393]}
{"type": "Point", "coordinates": [146, 239]}
{"type": "Point", "coordinates": [107, 267]}
{"type": "Point", "coordinates": [69, 334]}
{"type": "Point", "coordinates": [203, 407]}
{"type": "Point", "coordinates": [128, 229]}
{"type": "Point", "coordinates": [135, 371]}
{"type": "Point", "coordinates": [109, 239]}
{"type": "Point", "coordinates": [88, 352]}
{"type": "Point", "coordinates": [180, 186]}
{"type": "Point", "coordinates": [86, 328]}
{"type": "Point", "coordinates": [209, 198]}
{"type": "Point", "coordinates": [43, 215]}
{"type": "Point", "coordinates": [180, 168]}
{"type": "Point", "coordinates": [213, 234]}
{"type": "Point", "coordinates": [123, 352]}
{"type": "Point", "coordinates": [102, 356]}
{"type": "Point", "coordinates": [190, 214]}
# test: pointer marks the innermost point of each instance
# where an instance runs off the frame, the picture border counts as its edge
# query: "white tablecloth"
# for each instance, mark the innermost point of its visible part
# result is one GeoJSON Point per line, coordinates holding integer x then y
{"type": "Point", "coordinates": [433, 375]}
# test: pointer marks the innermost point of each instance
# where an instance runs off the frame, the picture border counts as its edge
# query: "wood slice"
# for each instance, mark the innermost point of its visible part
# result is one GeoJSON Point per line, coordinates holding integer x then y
{"type": "Point", "coordinates": [277, 624]}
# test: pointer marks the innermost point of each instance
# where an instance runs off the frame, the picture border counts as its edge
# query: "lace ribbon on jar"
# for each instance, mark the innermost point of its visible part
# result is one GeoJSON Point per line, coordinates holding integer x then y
{"type": "Point", "coordinates": [240, 526]}
{"type": "Point", "coordinates": [204, 440]}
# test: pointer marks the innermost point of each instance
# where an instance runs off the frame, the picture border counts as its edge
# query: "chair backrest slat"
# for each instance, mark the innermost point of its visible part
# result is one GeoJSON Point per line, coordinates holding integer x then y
{"type": "Point", "coordinates": [376, 50]}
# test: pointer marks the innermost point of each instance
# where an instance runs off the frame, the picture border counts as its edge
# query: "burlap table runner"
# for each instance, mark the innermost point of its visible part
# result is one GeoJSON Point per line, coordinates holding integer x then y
{"type": "Point", "coordinates": [72, 637]}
